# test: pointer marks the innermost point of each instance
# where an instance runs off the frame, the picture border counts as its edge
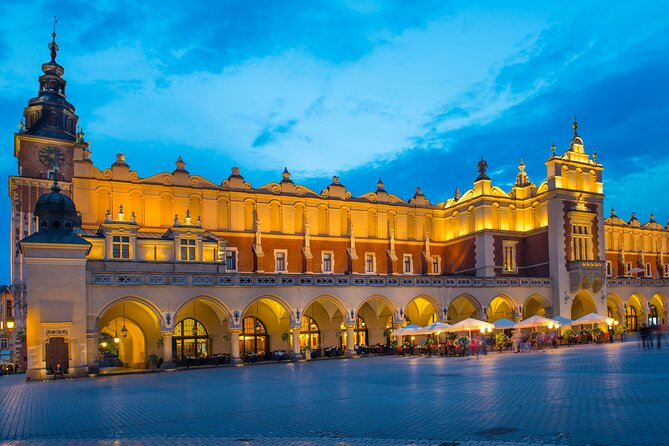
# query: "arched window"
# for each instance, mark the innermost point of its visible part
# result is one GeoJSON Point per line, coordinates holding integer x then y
{"type": "Point", "coordinates": [310, 333]}
{"type": "Point", "coordinates": [191, 339]}
{"type": "Point", "coordinates": [653, 318]}
{"type": "Point", "coordinates": [254, 338]}
{"type": "Point", "coordinates": [52, 120]}
{"type": "Point", "coordinates": [631, 320]}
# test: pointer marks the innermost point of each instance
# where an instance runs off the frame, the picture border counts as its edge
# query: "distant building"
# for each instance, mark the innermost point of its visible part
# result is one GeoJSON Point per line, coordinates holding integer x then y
{"type": "Point", "coordinates": [175, 266]}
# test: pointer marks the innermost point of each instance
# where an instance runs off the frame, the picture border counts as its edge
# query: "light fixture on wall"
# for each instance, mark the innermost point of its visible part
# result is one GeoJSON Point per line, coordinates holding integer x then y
{"type": "Point", "coordinates": [194, 320]}
{"type": "Point", "coordinates": [124, 331]}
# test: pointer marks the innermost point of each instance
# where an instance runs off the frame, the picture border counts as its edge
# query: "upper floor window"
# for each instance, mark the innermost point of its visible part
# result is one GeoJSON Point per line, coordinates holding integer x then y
{"type": "Point", "coordinates": [628, 268]}
{"type": "Point", "coordinates": [231, 259]}
{"type": "Point", "coordinates": [4, 343]}
{"type": "Point", "coordinates": [120, 247]}
{"type": "Point", "coordinates": [280, 261]}
{"type": "Point", "coordinates": [649, 270]}
{"type": "Point", "coordinates": [370, 263]}
{"type": "Point", "coordinates": [436, 265]}
{"type": "Point", "coordinates": [609, 268]}
{"type": "Point", "coordinates": [327, 262]}
{"type": "Point", "coordinates": [509, 254]}
{"type": "Point", "coordinates": [666, 270]}
{"type": "Point", "coordinates": [408, 264]}
{"type": "Point", "coordinates": [580, 242]}
{"type": "Point", "coordinates": [187, 249]}
{"type": "Point", "coordinates": [9, 304]}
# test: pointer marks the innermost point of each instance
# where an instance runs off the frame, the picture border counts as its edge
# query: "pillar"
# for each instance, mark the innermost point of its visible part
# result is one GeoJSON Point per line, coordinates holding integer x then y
{"type": "Point", "coordinates": [92, 343]}
{"type": "Point", "coordinates": [350, 340]}
{"type": "Point", "coordinates": [665, 317]}
{"type": "Point", "coordinates": [296, 343]}
{"type": "Point", "coordinates": [168, 354]}
{"type": "Point", "coordinates": [234, 346]}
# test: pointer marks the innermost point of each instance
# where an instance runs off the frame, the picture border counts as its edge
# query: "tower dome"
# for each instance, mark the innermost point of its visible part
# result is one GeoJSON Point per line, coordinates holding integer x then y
{"type": "Point", "coordinates": [56, 211]}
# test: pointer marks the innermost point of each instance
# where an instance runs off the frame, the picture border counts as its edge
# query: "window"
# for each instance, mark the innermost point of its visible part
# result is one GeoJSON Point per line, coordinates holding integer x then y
{"type": "Point", "coordinates": [310, 333]}
{"type": "Point", "coordinates": [120, 247]}
{"type": "Point", "coordinates": [653, 318]}
{"type": "Point", "coordinates": [253, 338]}
{"type": "Point", "coordinates": [370, 263]}
{"type": "Point", "coordinates": [609, 268]}
{"type": "Point", "coordinates": [408, 264]}
{"type": "Point", "coordinates": [231, 259]}
{"type": "Point", "coordinates": [631, 320]}
{"type": "Point", "coordinates": [360, 333]}
{"type": "Point", "coordinates": [649, 270]}
{"type": "Point", "coordinates": [666, 270]}
{"type": "Point", "coordinates": [628, 268]}
{"type": "Point", "coordinates": [8, 305]}
{"type": "Point", "coordinates": [191, 339]}
{"type": "Point", "coordinates": [436, 265]}
{"type": "Point", "coordinates": [327, 262]}
{"type": "Point", "coordinates": [4, 343]}
{"type": "Point", "coordinates": [187, 249]}
{"type": "Point", "coordinates": [509, 254]}
{"type": "Point", "coordinates": [580, 242]}
{"type": "Point", "coordinates": [280, 260]}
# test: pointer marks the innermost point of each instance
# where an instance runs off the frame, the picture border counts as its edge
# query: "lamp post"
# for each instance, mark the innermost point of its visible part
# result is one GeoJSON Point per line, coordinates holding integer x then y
{"type": "Point", "coordinates": [485, 331]}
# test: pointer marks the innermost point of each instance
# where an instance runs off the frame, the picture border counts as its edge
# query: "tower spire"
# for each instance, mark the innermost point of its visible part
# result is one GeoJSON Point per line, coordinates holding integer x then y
{"type": "Point", "coordinates": [53, 46]}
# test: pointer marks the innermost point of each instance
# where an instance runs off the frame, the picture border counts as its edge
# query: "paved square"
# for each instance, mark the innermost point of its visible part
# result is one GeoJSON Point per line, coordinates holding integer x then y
{"type": "Point", "coordinates": [607, 394]}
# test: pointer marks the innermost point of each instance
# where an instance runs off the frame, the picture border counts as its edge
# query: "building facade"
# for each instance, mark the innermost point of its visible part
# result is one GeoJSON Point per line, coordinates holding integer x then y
{"type": "Point", "coordinates": [174, 265]}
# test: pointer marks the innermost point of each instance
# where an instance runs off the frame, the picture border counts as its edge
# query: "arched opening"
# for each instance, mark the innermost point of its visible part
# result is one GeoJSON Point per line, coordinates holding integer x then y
{"type": "Point", "coordinates": [501, 307]}
{"type": "Point", "coordinates": [657, 301]}
{"type": "Point", "coordinates": [634, 312]}
{"type": "Point", "coordinates": [213, 342]}
{"type": "Point", "coordinates": [535, 306]}
{"type": "Point", "coordinates": [461, 308]}
{"type": "Point", "coordinates": [613, 305]}
{"type": "Point", "coordinates": [133, 327]}
{"type": "Point", "coordinates": [583, 304]}
{"type": "Point", "coordinates": [327, 313]}
{"type": "Point", "coordinates": [422, 311]}
{"type": "Point", "coordinates": [269, 322]}
{"type": "Point", "coordinates": [374, 312]}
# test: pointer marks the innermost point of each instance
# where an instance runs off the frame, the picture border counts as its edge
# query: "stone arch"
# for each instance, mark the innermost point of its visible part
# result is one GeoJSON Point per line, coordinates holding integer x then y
{"type": "Point", "coordinates": [323, 220]}
{"type": "Point", "coordinates": [219, 308]}
{"type": "Point", "coordinates": [582, 304]}
{"type": "Point", "coordinates": [502, 306]}
{"type": "Point", "coordinates": [536, 305]}
{"type": "Point", "coordinates": [659, 301]}
{"type": "Point", "coordinates": [344, 220]}
{"type": "Point", "coordinates": [136, 324]}
{"type": "Point", "coordinates": [614, 306]}
{"type": "Point", "coordinates": [376, 311]}
{"type": "Point", "coordinates": [212, 314]}
{"type": "Point", "coordinates": [462, 307]}
{"type": "Point", "coordinates": [166, 209]}
{"type": "Point", "coordinates": [223, 208]}
{"type": "Point", "coordinates": [299, 218]}
{"type": "Point", "coordinates": [102, 203]}
{"type": "Point", "coordinates": [135, 205]}
{"type": "Point", "coordinates": [249, 214]}
{"type": "Point", "coordinates": [422, 310]}
{"type": "Point", "coordinates": [275, 218]}
{"type": "Point", "coordinates": [276, 316]}
{"type": "Point", "coordinates": [329, 312]}
{"type": "Point", "coordinates": [372, 223]}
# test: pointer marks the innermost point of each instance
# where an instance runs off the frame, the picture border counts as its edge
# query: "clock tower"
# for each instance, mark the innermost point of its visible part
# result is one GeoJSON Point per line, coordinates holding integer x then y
{"type": "Point", "coordinates": [48, 131]}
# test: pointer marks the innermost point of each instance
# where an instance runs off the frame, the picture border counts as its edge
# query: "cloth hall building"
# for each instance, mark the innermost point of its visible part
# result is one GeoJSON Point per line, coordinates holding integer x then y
{"type": "Point", "coordinates": [175, 265]}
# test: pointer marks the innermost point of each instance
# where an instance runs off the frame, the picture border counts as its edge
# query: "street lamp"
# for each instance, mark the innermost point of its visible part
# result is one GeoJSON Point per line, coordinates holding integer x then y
{"type": "Point", "coordinates": [10, 325]}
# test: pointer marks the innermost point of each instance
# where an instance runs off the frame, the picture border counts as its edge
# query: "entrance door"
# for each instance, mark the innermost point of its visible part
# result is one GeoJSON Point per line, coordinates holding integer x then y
{"type": "Point", "coordinates": [56, 353]}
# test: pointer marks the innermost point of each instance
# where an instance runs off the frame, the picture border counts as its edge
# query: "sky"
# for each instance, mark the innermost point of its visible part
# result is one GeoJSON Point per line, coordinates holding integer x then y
{"type": "Point", "coordinates": [414, 93]}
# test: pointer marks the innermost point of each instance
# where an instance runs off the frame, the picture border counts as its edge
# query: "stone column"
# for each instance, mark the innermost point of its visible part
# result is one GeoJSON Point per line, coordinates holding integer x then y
{"type": "Point", "coordinates": [666, 317]}
{"type": "Point", "coordinates": [296, 344]}
{"type": "Point", "coordinates": [234, 346]}
{"type": "Point", "coordinates": [168, 354]}
{"type": "Point", "coordinates": [92, 343]}
{"type": "Point", "coordinates": [350, 340]}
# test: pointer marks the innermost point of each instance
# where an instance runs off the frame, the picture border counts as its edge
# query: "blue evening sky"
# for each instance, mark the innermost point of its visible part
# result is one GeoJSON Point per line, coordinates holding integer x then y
{"type": "Point", "coordinates": [412, 92]}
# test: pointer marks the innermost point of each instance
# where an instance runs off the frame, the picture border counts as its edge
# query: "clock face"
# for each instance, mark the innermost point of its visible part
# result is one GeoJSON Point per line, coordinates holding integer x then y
{"type": "Point", "coordinates": [51, 156]}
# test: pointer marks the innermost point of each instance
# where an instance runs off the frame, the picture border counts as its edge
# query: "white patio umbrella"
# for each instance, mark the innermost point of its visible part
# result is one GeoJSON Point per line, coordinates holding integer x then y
{"type": "Point", "coordinates": [407, 331]}
{"type": "Point", "coordinates": [593, 318]}
{"type": "Point", "coordinates": [503, 323]}
{"type": "Point", "coordinates": [437, 327]}
{"type": "Point", "coordinates": [470, 324]}
{"type": "Point", "coordinates": [535, 322]}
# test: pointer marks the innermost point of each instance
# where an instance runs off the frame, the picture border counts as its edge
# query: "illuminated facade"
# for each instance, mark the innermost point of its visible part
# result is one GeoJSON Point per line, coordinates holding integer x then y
{"type": "Point", "coordinates": [175, 265]}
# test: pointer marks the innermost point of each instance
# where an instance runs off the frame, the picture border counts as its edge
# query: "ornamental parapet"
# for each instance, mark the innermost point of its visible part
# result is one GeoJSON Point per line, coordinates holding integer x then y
{"type": "Point", "coordinates": [315, 280]}
{"type": "Point", "coordinates": [587, 265]}
{"type": "Point", "coordinates": [637, 282]}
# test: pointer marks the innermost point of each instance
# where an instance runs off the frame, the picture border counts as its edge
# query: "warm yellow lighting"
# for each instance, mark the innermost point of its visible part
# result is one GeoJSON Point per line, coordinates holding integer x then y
{"type": "Point", "coordinates": [413, 337]}
{"type": "Point", "coordinates": [10, 324]}
{"type": "Point", "coordinates": [103, 344]}
{"type": "Point", "coordinates": [117, 339]}
{"type": "Point", "coordinates": [550, 326]}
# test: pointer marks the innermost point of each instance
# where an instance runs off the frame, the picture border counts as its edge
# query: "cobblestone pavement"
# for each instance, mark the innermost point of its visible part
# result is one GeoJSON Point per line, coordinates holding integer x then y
{"type": "Point", "coordinates": [612, 394]}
